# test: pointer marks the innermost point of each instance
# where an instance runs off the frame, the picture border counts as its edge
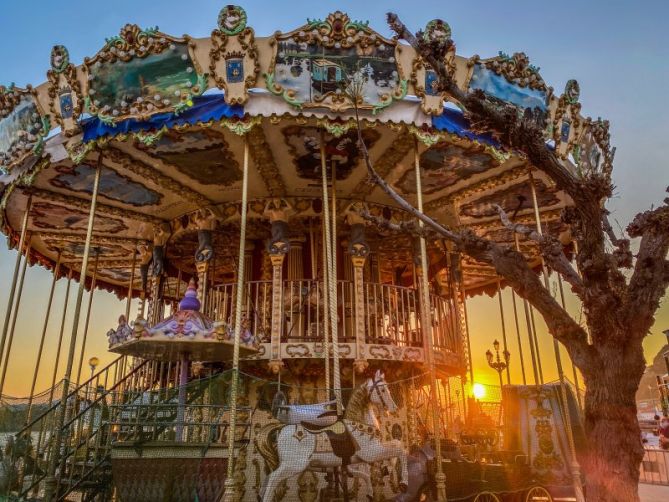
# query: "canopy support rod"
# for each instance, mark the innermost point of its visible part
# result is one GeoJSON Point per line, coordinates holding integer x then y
{"type": "Point", "coordinates": [40, 349]}
{"type": "Point", "coordinates": [88, 314]}
{"type": "Point", "coordinates": [12, 289]}
{"type": "Point", "coordinates": [230, 494]}
{"type": "Point", "coordinates": [50, 483]}
{"type": "Point", "coordinates": [426, 325]}
{"type": "Point", "coordinates": [501, 315]}
{"type": "Point", "coordinates": [575, 468]}
{"type": "Point", "coordinates": [10, 338]}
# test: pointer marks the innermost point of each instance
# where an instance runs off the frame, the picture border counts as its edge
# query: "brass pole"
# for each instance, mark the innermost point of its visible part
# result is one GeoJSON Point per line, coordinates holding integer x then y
{"type": "Point", "coordinates": [40, 349]}
{"type": "Point", "coordinates": [575, 468]}
{"type": "Point", "coordinates": [88, 314]}
{"type": "Point", "coordinates": [326, 266]}
{"type": "Point", "coordinates": [12, 289]}
{"type": "Point", "coordinates": [60, 336]}
{"type": "Point", "coordinates": [501, 315]}
{"type": "Point", "coordinates": [50, 482]}
{"type": "Point", "coordinates": [10, 338]}
{"type": "Point", "coordinates": [573, 366]}
{"type": "Point", "coordinates": [528, 322]}
{"type": "Point", "coordinates": [230, 494]}
{"type": "Point", "coordinates": [426, 322]}
{"type": "Point", "coordinates": [520, 344]}
{"type": "Point", "coordinates": [336, 375]}
{"type": "Point", "coordinates": [130, 285]}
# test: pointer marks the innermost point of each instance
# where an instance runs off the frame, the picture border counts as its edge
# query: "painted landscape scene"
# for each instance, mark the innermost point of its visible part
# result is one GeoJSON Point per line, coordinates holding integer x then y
{"type": "Point", "coordinates": [531, 102]}
{"type": "Point", "coordinates": [23, 123]}
{"type": "Point", "coordinates": [161, 78]}
{"type": "Point", "coordinates": [314, 71]}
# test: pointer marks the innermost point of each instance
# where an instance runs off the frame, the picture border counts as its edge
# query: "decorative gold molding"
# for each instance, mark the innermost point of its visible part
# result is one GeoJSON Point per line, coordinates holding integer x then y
{"type": "Point", "coordinates": [263, 160]}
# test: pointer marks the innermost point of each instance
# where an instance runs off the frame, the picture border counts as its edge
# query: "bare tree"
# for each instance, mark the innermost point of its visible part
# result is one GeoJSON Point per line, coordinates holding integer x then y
{"type": "Point", "coordinates": [620, 290]}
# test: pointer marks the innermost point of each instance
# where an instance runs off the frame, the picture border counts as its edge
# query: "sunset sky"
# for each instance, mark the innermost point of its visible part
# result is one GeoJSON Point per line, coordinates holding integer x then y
{"type": "Point", "coordinates": [613, 48]}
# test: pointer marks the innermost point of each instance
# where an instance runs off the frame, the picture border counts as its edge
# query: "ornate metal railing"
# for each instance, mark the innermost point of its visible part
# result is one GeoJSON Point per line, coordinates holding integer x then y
{"type": "Point", "coordinates": [195, 423]}
{"type": "Point", "coordinates": [391, 313]}
{"type": "Point", "coordinates": [85, 446]}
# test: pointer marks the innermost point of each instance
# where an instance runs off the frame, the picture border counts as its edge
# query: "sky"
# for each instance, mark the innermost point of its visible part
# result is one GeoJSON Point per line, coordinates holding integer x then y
{"type": "Point", "coordinates": [615, 49]}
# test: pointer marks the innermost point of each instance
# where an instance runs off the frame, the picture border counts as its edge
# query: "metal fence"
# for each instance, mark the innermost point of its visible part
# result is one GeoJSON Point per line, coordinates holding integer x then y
{"type": "Point", "coordinates": [655, 467]}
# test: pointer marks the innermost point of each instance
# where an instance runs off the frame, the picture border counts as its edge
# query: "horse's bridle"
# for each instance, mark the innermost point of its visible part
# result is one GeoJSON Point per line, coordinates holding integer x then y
{"type": "Point", "coordinates": [375, 387]}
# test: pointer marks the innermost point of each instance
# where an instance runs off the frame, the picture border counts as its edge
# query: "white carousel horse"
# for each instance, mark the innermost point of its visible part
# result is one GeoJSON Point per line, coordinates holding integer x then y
{"type": "Point", "coordinates": [356, 436]}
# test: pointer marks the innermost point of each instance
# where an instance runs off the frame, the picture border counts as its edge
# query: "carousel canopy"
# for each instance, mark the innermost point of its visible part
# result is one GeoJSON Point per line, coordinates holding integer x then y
{"type": "Point", "coordinates": [166, 120]}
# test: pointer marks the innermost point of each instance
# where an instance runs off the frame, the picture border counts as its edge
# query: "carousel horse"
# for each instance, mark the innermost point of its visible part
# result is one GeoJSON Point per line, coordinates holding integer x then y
{"type": "Point", "coordinates": [354, 438]}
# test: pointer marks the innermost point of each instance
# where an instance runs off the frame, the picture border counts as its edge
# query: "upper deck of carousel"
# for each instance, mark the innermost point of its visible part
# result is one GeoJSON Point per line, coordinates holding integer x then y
{"type": "Point", "coordinates": [168, 121]}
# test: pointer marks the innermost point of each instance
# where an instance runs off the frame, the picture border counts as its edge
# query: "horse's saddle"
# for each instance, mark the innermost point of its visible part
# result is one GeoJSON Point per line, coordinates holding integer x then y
{"type": "Point", "coordinates": [321, 414]}
{"type": "Point", "coordinates": [342, 441]}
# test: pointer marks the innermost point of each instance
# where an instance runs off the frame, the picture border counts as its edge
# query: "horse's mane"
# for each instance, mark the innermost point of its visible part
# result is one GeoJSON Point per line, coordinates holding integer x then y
{"type": "Point", "coordinates": [357, 405]}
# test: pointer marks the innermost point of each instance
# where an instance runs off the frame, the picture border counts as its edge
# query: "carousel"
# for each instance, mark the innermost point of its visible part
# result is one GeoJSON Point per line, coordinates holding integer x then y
{"type": "Point", "coordinates": [281, 345]}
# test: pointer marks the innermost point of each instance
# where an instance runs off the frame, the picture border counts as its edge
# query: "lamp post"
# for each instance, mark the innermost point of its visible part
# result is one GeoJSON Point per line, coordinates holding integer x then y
{"type": "Point", "coordinates": [496, 362]}
{"type": "Point", "coordinates": [93, 363]}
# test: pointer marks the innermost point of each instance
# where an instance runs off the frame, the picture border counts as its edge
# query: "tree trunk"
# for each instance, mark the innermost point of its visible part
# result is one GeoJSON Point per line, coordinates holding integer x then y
{"type": "Point", "coordinates": [614, 449]}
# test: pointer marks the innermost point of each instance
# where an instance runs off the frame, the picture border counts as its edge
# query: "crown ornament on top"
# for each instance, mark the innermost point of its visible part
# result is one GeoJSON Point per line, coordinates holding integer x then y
{"type": "Point", "coordinates": [337, 30]}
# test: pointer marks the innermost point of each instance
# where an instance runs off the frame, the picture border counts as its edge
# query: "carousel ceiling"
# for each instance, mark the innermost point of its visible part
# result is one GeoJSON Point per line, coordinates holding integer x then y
{"type": "Point", "coordinates": [166, 120]}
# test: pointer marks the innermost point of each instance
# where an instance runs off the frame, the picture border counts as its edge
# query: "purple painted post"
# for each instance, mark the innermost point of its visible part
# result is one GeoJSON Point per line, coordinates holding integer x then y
{"type": "Point", "coordinates": [181, 410]}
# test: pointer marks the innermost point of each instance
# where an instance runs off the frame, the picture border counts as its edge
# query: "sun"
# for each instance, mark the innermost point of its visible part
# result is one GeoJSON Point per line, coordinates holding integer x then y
{"type": "Point", "coordinates": [478, 390]}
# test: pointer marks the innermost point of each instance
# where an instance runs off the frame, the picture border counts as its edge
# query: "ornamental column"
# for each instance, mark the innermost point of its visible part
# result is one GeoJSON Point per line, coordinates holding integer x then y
{"type": "Point", "coordinates": [278, 211]}
{"type": "Point", "coordinates": [358, 249]}
{"type": "Point", "coordinates": [205, 222]}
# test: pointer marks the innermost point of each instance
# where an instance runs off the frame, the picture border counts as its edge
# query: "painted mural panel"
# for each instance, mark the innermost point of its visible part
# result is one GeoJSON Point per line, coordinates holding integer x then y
{"type": "Point", "coordinates": [445, 165]}
{"type": "Point", "coordinates": [305, 148]}
{"type": "Point", "coordinates": [313, 71]}
{"type": "Point", "coordinates": [532, 102]}
{"type": "Point", "coordinates": [21, 130]}
{"type": "Point", "coordinates": [121, 88]}
{"type": "Point", "coordinates": [112, 185]}
{"type": "Point", "coordinates": [202, 155]}
{"type": "Point", "coordinates": [50, 216]}
{"type": "Point", "coordinates": [517, 197]}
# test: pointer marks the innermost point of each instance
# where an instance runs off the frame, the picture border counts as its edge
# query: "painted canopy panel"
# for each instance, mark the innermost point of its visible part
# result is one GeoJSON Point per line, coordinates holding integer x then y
{"type": "Point", "coordinates": [112, 185]}
{"type": "Point", "coordinates": [445, 165]}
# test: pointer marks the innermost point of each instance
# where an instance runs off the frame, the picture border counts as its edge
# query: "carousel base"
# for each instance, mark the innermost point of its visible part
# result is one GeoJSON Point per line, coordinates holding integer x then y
{"type": "Point", "coordinates": [162, 472]}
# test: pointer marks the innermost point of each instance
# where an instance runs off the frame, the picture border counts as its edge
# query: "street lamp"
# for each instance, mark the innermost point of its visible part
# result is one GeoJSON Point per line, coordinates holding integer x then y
{"type": "Point", "coordinates": [93, 363]}
{"type": "Point", "coordinates": [496, 363]}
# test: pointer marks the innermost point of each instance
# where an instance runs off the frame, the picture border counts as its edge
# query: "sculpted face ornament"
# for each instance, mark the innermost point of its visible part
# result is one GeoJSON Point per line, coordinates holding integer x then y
{"type": "Point", "coordinates": [60, 58]}
{"type": "Point", "coordinates": [232, 20]}
{"type": "Point", "coordinates": [437, 31]}
{"type": "Point", "coordinates": [572, 91]}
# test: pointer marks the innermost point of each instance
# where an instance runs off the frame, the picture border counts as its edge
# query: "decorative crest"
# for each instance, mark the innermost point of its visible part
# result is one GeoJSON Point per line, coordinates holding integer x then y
{"type": "Point", "coordinates": [66, 101]}
{"type": "Point", "coordinates": [232, 20]}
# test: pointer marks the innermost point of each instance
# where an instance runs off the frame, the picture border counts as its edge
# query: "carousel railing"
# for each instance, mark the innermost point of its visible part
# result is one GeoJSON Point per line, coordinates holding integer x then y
{"type": "Point", "coordinates": [203, 424]}
{"type": "Point", "coordinates": [392, 313]}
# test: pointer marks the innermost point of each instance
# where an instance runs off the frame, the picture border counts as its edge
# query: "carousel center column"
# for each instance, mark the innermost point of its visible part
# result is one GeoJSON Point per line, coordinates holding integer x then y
{"type": "Point", "coordinates": [278, 211]}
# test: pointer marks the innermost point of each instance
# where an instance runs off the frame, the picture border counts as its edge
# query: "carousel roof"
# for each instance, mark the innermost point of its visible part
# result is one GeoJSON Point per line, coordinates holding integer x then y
{"type": "Point", "coordinates": [166, 118]}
